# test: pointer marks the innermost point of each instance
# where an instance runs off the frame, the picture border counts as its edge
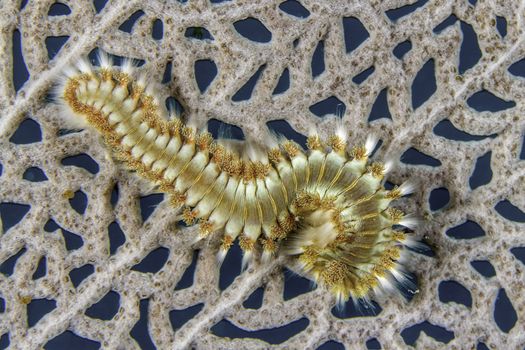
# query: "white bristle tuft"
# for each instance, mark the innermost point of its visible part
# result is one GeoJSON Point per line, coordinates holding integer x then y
{"type": "Point", "coordinates": [104, 59]}
{"type": "Point", "coordinates": [371, 143]}
{"type": "Point", "coordinates": [221, 254]}
{"type": "Point", "coordinates": [84, 66]}
{"type": "Point", "coordinates": [407, 187]}
{"type": "Point", "coordinates": [410, 221]}
{"type": "Point", "coordinates": [246, 259]}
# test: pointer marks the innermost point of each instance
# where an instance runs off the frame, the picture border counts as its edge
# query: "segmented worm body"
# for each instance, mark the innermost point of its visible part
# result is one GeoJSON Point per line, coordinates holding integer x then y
{"type": "Point", "coordinates": [325, 206]}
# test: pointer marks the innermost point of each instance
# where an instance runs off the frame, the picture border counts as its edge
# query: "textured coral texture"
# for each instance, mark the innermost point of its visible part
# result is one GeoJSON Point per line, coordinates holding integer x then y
{"type": "Point", "coordinates": [139, 289]}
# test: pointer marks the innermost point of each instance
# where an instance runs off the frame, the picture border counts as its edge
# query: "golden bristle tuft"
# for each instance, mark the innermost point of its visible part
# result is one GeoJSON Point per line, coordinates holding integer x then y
{"type": "Point", "coordinates": [394, 193]}
{"type": "Point", "coordinates": [203, 141]}
{"type": "Point", "coordinates": [275, 155]}
{"type": "Point", "coordinates": [189, 216]}
{"type": "Point", "coordinates": [313, 142]}
{"type": "Point", "coordinates": [359, 153]}
{"type": "Point", "coordinates": [395, 214]}
{"type": "Point", "coordinates": [291, 148]}
{"type": "Point", "coordinates": [226, 242]}
{"type": "Point", "coordinates": [337, 144]}
{"type": "Point", "coordinates": [377, 170]}
{"type": "Point", "coordinates": [247, 244]}
{"type": "Point", "coordinates": [205, 228]}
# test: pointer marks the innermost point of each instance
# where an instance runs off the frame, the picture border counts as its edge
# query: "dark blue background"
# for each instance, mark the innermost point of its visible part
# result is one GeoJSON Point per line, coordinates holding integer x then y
{"type": "Point", "coordinates": [423, 87]}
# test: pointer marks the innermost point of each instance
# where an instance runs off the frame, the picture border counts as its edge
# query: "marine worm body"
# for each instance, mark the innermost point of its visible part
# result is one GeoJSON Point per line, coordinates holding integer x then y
{"type": "Point", "coordinates": [325, 206]}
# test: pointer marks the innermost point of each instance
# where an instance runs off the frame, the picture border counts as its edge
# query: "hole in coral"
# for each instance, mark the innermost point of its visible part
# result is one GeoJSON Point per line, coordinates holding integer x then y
{"type": "Point", "coordinates": [51, 226]}
{"type": "Point", "coordinates": [277, 335]}
{"type": "Point", "coordinates": [81, 273]}
{"type": "Point", "coordinates": [73, 241]}
{"type": "Point", "coordinates": [283, 84]}
{"type": "Point", "coordinates": [449, 21]}
{"type": "Point", "coordinates": [2, 305]}
{"type": "Point", "coordinates": [34, 174]}
{"type": "Point", "coordinates": [355, 33]}
{"type": "Point", "coordinates": [166, 77]}
{"type": "Point", "coordinates": [198, 33]}
{"type": "Point", "coordinates": [380, 107]}
{"type": "Point", "coordinates": [127, 25]}
{"type": "Point", "coordinates": [11, 214]}
{"type": "Point", "coordinates": [510, 211]}
{"type": "Point", "coordinates": [83, 161]}
{"type": "Point", "coordinates": [113, 199]}
{"type": "Point", "coordinates": [116, 237]}
{"type": "Point", "coordinates": [501, 26]}
{"type": "Point", "coordinates": [485, 101]}
{"type": "Point", "coordinates": [283, 128]}
{"type": "Point", "coordinates": [467, 230]}
{"type": "Point", "coordinates": [20, 72]}
{"type": "Point", "coordinates": [106, 308]}
{"type": "Point", "coordinates": [205, 72]}
{"type": "Point", "coordinates": [99, 5]}
{"type": "Point", "coordinates": [361, 77]}
{"type": "Point", "coordinates": [357, 308]}
{"type": "Point", "coordinates": [140, 332]}
{"type": "Point", "coordinates": [504, 313]}
{"type": "Point", "coordinates": [446, 129]}
{"type": "Point", "coordinates": [23, 4]}
{"type": "Point", "coordinates": [330, 105]}
{"type": "Point", "coordinates": [439, 333]}
{"type": "Point", "coordinates": [255, 300]}
{"type": "Point", "coordinates": [41, 268]}
{"type": "Point", "coordinates": [317, 64]}
{"type": "Point", "coordinates": [58, 9]}
{"type": "Point", "coordinates": [424, 84]}
{"type": "Point", "coordinates": [1, 169]}
{"type": "Point", "coordinates": [174, 106]}
{"type": "Point", "coordinates": [27, 132]}
{"type": "Point", "coordinates": [518, 68]}
{"type": "Point", "coordinates": [294, 8]}
{"type": "Point", "coordinates": [69, 340]}
{"type": "Point", "coordinates": [54, 44]}
{"type": "Point", "coordinates": [452, 291]}
{"type": "Point", "coordinates": [415, 157]}
{"type": "Point", "coordinates": [218, 1]}
{"type": "Point", "coordinates": [186, 280]}
{"type": "Point", "coordinates": [245, 92]}
{"type": "Point", "coordinates": [8, 266]}
{"type": "Point", "coordinates": [331, 345]}
{"type": "Point", "coordinates": [373, 344]}
{"type": "Point", "coordinates": [222, 130]}
{"type": "Point", "coordinates": [473, 2]}
{"type": "Point", "coordinates": [519, 253]}
{"type": "Point", "coordinates": [295, 43]}
{"type": "Point", "coordinates": [484, 267]}
{"type": "Point", "coordinates": [439, 198]}
{"type": "Point", "coordinates": [179, 318]}
{"type": "Point", "coordinates": [482, 173]}
{"type": "Point", "coordinates": [402, 49]}
{"type": "Point", "coordinates": [4, 339]}
{"type": "Point", "coordinates": [157, 30]}
{"type": "Point", "coordinates": [37, 309]}
{"type": "Point", "coordinates": [231, 266]}
{"type": "Point", "coordinates": [253, 29]}
{"type": "Point", "coordinates": [482, 346]}
{"type": "Point", "coordinates": [154, 261]}
{"type": "Point", "coordinates": [469, 53]}
{"type": "Point", "coordinates": [148, 204]}
{"type": "Point", "coordinates": [397, 13]}
{"type": "Point", "coordinates": [79, 202]}
{"type": "Point", "coordinates": [295, 285]}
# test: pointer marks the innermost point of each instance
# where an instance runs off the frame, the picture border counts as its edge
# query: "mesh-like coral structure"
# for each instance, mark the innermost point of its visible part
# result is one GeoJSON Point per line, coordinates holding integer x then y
{"type": "Point", "coordinates": [86, 256]}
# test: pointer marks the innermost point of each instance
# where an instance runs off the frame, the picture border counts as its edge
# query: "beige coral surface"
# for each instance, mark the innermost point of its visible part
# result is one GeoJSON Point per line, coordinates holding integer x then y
{"type": "Point", "coordinates": [237, 59]}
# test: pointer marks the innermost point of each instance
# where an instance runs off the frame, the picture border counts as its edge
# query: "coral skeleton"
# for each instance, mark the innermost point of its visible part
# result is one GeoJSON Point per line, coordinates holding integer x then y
{"type": "Point", "coordinates": [325, 206]}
